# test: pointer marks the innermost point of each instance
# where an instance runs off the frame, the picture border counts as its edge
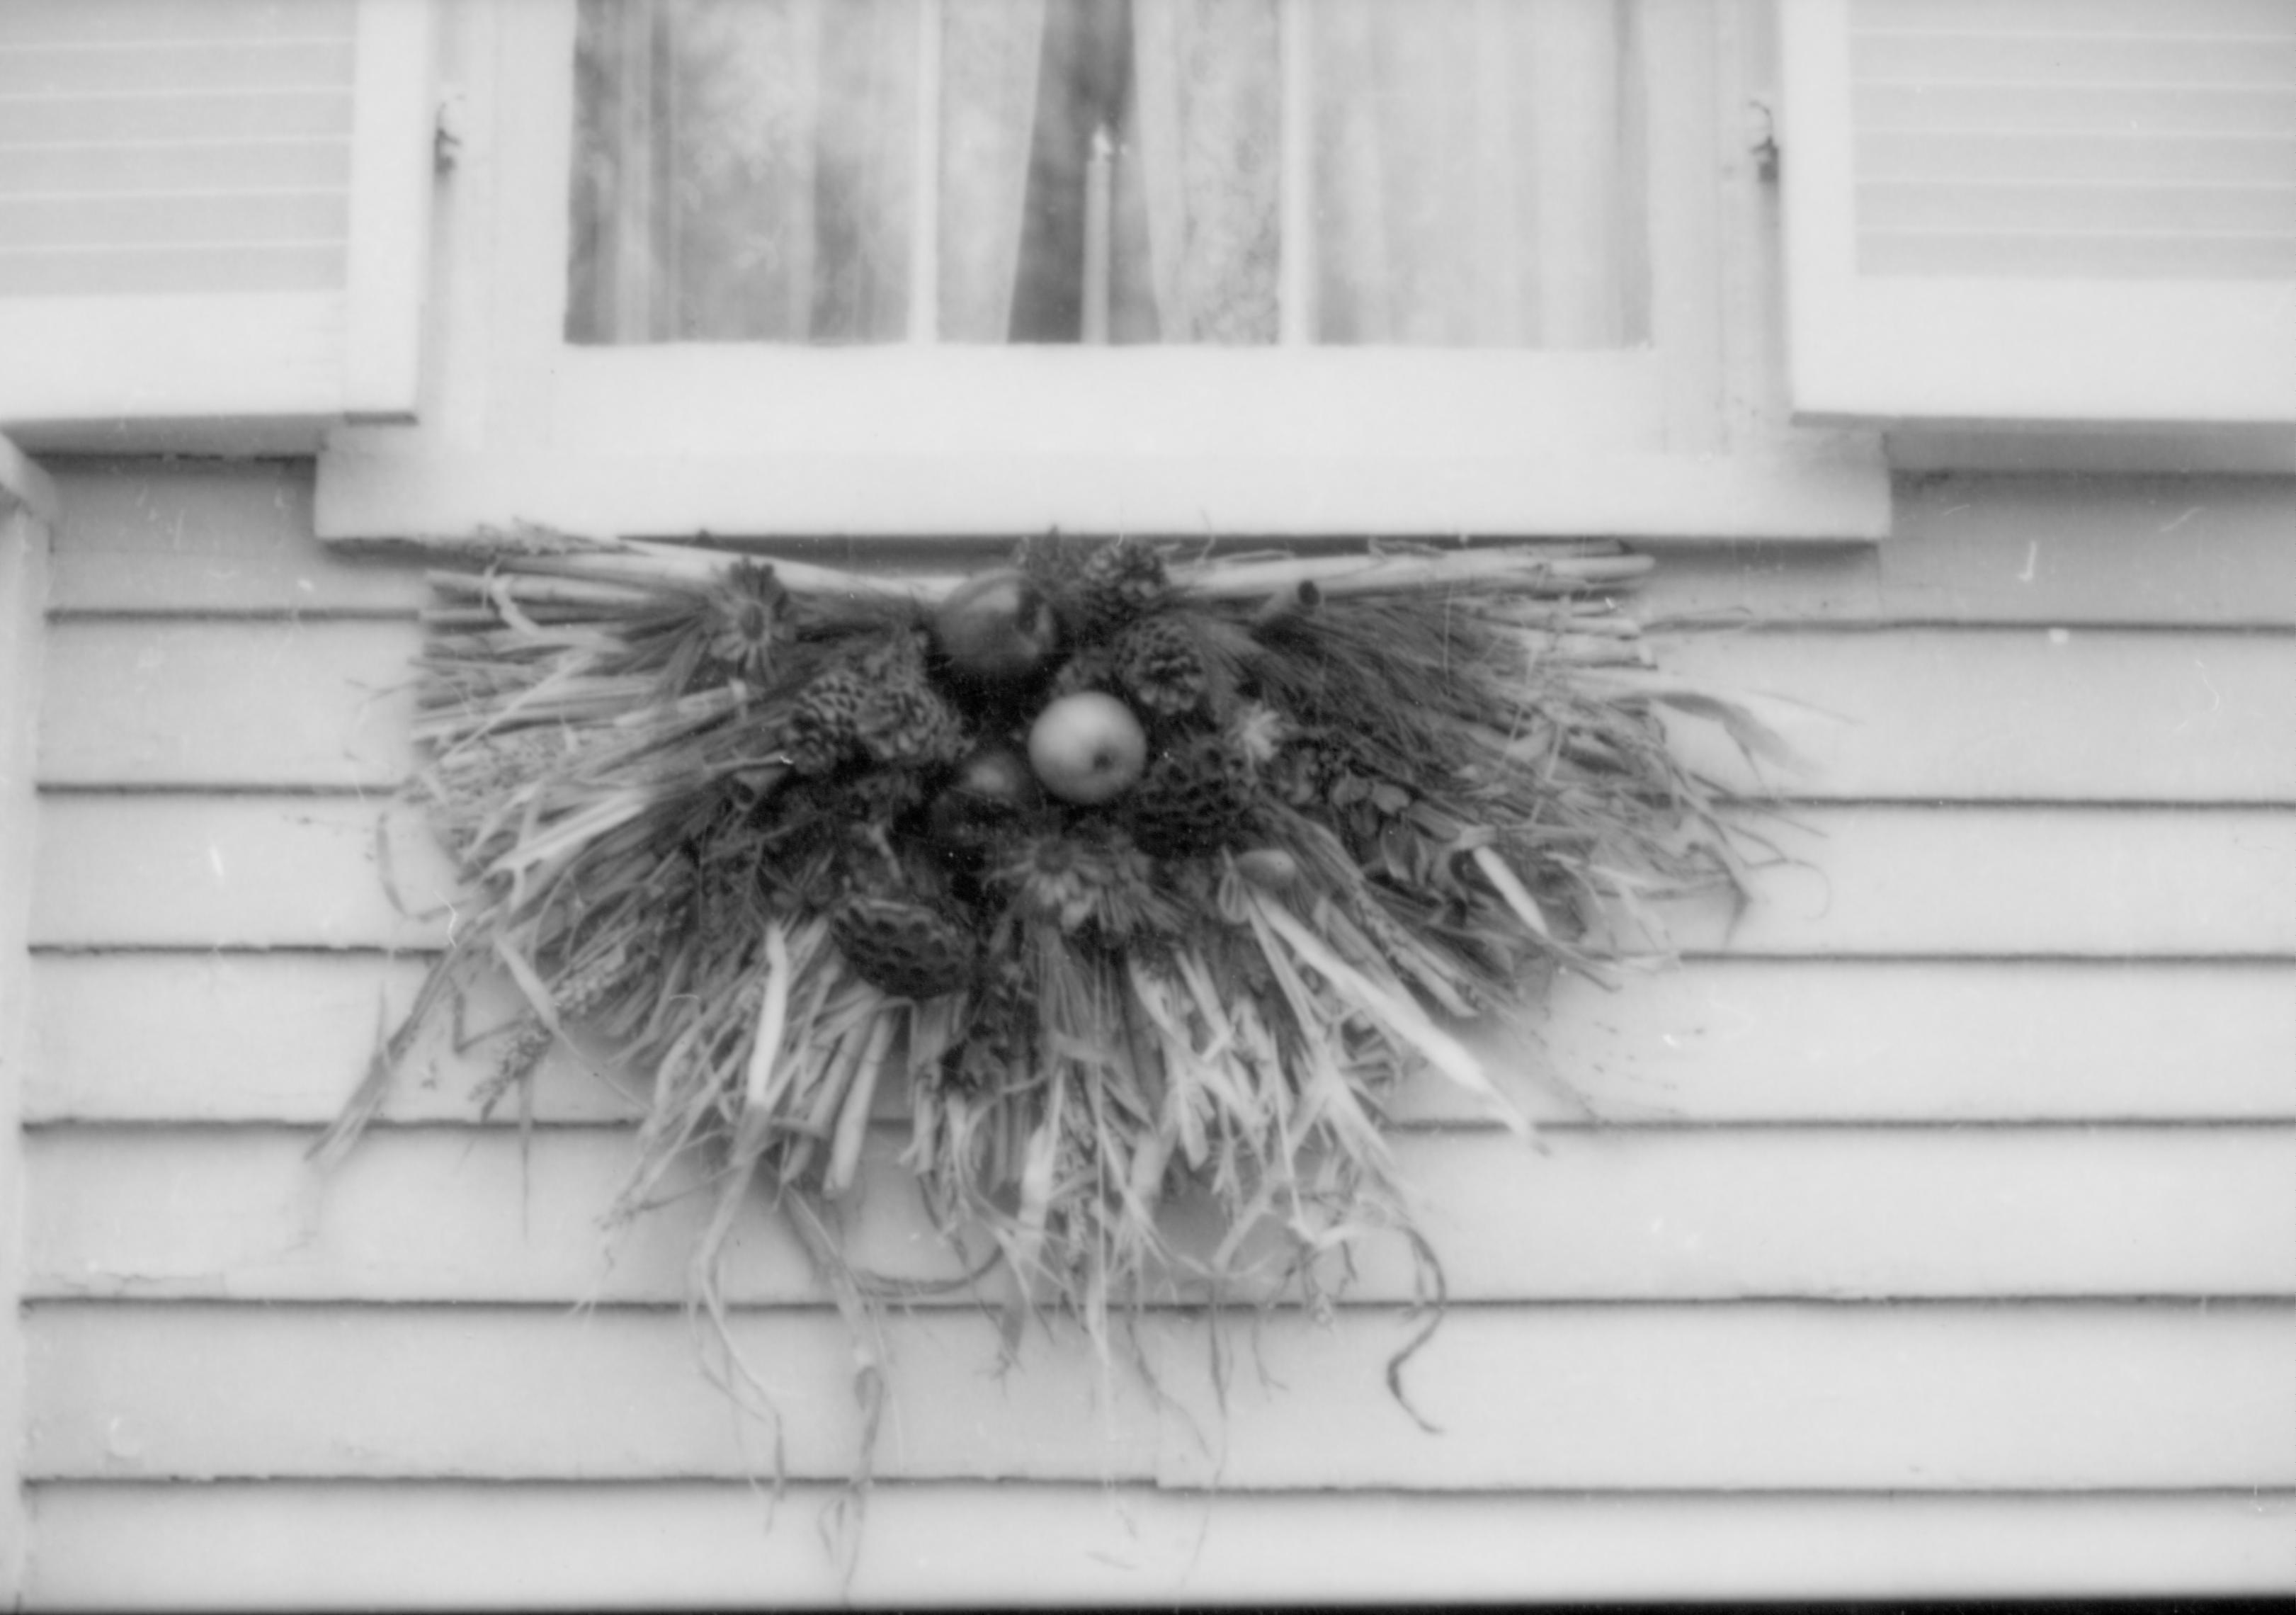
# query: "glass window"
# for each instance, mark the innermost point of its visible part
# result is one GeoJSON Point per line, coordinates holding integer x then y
{"type": "Point", "coordinates": [1230, 172]}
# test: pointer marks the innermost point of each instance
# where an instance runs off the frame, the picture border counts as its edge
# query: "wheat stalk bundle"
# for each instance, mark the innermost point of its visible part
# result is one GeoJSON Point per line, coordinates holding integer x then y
{"type": "Point", "coordinates": [1139, 875]}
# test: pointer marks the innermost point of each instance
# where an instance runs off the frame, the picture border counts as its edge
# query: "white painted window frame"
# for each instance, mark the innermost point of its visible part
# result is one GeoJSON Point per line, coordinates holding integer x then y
{"type": "Point", "coordinates": [1685, 437]}
{"type": "Point", "coordinates": [125, 372]}
{"type": "Point", "coordinates": [1954, 350]}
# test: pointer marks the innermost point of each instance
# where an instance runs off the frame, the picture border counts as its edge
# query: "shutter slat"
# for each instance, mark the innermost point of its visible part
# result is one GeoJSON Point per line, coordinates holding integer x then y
{"type": "Point", "coordinates": [2017, 109]}
{"type": "Point", "coordinates": [160, 219]}
{"type": "Point", "coordinates": [2093, 59]}
{"type": "Point", "coordinates": [250, 64]}
{"type": "Point", "coordinates": [208, 166]}
{"type": "Point", "coordinates": [56, 23]}
{"type": "Point", "coordinates": [1943, 154]}
{"type": "Point", "coordinates": [236, 269]}
{"type": "Point", "coordinates": [2035, 255]}
{"type": "Point", "coordinates": [2064, 207]}
{"type": "Point", "coordinates": [2154, 19]}
{"type": "Point", "coordinates": [30, 120]}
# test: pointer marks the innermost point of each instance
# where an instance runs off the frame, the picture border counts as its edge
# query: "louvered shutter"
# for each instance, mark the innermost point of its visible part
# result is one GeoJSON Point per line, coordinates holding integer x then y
{"type": "Point", "coordinates": [2060, 210]}
{"type": "Point", "coordinates": [209, 210]}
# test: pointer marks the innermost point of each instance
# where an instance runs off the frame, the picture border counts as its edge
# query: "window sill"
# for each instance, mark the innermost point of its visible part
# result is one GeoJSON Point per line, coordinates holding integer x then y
{"type": "Point", "coordinates": [370, 489]}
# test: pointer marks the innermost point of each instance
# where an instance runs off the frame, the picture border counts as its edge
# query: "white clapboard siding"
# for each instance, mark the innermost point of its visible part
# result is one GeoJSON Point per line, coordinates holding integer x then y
{"type": "Point", "coordinates": [2031, 714]}
{"type": "Point", "coordinates": [704, 1544]}
{"type": "Point", "coordinates": [1926, 1230]}
{"type": "Point", "coordinates": [449, 1214]}
{"type": "Point", "coordinates": [282, 1036]}
{"type": "Point", "coordinates": [2064, 551]}
{"type": "Point", "coordinates": [206, 702]}
{"type": "Point", "coordinates": [262, 869]}
{"type": "Point", "coordinates": [2071, 1395]}
{"type": "Point", "coordinates": [1968, 237]}
{"type": "Point", "coordinates": [189, 535]}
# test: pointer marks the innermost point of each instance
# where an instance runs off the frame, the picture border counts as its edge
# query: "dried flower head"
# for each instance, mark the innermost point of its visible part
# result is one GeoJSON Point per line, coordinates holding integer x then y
{"type": "Point", "coordinates": [1085, 878]}
{"type": "Point", "coordinates": [742, 621]}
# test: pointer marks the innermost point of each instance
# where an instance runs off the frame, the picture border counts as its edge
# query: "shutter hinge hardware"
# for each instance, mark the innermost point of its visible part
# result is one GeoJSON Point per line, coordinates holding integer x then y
{"type": "Point", "coordinates": [449, 122]}
{"type": "Point", "coordinates": [1761, 130]}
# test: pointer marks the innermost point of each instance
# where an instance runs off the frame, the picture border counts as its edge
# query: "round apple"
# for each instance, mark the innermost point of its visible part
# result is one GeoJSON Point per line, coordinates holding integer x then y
{"type": "Point", "coordinates": [1087, 747]}
{"type": "Point", "coordinates": [995, 630]}
{"type": "Point", "coordinates": [991, 786]}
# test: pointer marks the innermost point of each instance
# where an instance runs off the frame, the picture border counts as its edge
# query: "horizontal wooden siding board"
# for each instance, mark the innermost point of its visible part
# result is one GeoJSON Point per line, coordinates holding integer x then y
{"type": "Point", "coordinates": [284, 703]}
{"type": "Point", "coordinates": [239, 1545]}
{"type": "Point", "coordinates": [2021, 714]}
{"type": "Point", "coordinates": [1917, 1398]}
{"type": "Point", "coordinates": [448, 1214]}
{"type": "Point", "coordinates": [171, 538]}
{"type": "Point", "coordinates": [254, 1037]}
{"type": "Point", "coordinates": [188, 1391]}
{"type": "Point", "coordinates": [257, 871]}
{"type": "Point", "coordinates": [2076, 549]}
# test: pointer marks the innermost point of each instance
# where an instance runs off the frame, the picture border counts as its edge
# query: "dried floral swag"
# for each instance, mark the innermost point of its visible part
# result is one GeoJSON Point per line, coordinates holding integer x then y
{"type": "Point", "coordinates": [1137, 876]}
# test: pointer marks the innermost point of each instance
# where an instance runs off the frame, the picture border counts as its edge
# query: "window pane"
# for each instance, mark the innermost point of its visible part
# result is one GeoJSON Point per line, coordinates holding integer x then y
{"type": "Point", "coordinates": [742, 170]}
{"type": "Point", "coordinates": [1465, 172]}
{"type": "Point", "coordinates": [1477, 172]}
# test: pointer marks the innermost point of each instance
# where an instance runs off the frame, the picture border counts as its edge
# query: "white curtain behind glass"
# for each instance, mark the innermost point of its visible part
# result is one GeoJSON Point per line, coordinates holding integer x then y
{"type": "Point", "coordinates": [750, 170]}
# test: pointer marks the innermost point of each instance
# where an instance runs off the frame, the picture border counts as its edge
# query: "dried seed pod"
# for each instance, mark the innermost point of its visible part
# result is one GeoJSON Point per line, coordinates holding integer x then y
{"type": "Point", "coordinates": [1196, 795]}
{"type": "Point", "coordinates": [908, 949]}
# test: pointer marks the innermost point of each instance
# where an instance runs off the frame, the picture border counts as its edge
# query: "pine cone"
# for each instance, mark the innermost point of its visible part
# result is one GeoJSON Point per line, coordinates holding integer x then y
{"type": "Point", "coordinates": [907, 723]}
{"type": "Point", "coordinates": [824, 728]}
{"type": "Point", "coordinates": [1160, 661]}
{"type": "Point", "coordinates": [909, 949]}
{"type": "Point", "coordinates": [1196, 795]}
{"type": "Point", "coordinates": [1118, 583]}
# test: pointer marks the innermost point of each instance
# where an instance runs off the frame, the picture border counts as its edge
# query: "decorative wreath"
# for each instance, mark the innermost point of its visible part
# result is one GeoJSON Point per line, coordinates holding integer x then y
{"type": "Point", "coordinates": [1142, 873]}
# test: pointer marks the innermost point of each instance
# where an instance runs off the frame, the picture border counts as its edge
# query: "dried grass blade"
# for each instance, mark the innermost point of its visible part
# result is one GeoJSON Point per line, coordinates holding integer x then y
{"type": "Point", "coordinates": [1405, 1018]}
